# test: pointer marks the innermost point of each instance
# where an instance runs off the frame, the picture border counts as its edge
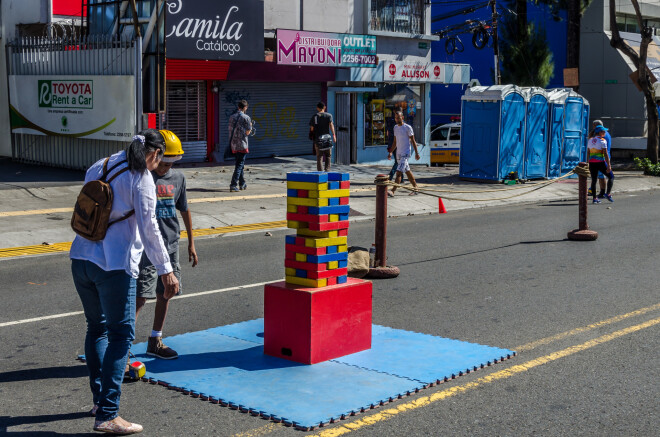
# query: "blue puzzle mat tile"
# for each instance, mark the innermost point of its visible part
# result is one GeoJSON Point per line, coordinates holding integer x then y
{"type": "Point", "coordinates": [237, 373]}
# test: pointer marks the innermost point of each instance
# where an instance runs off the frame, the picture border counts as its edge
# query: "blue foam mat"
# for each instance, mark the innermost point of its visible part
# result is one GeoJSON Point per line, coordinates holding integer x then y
{"type": "Point", "coordinates": [227, 363]}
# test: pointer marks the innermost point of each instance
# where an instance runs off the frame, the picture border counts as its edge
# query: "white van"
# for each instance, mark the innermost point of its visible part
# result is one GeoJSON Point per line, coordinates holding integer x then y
{"type": "Point", "coordinates": [446, 144]}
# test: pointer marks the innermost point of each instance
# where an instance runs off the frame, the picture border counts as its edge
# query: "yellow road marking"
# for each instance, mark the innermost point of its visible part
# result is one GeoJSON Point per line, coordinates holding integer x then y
{"type": "Point", "coordinates": [615, 319]}
{"type": "Point", "coordinates": [41, 249]}
{"type": "Point", "coordinates": [496, 376]}
{"type": "Point", "coordinates": [190, 200]}
{"type": "Point", "coordinates": [259, 431]}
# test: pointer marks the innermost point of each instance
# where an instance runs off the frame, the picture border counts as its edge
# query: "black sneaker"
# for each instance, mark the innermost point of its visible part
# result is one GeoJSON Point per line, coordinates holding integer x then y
{"type": "Point", "coordinates": [601, 195]}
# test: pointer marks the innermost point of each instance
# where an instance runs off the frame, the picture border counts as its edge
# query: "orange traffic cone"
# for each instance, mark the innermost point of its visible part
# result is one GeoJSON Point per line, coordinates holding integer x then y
{"type": "Point", "coordinates": [441, 206]}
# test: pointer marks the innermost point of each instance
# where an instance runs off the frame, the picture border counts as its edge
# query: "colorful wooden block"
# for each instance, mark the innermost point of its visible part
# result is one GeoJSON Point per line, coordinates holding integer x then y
{"type": "Point", "coordinates": [304, 193]}
{"type": "Point", "coordinates": [333, 217]}
{"type": "Point", "coordinates": [342, 232]}
{"type": "Point", "coordinates": [317, 259]}
{"type": "Point", "coordinates": [295, 225]}
{"type": "Point", "coordinates": [328, 226]}
{"type": "Point", "coordinates": [334, 201]}
{"type": "Point", "coordinates": [309, 283]}
{"type": "Point", "coordinates": [288, 271]}
{"type": "Point", "coordinates": [342, 264]}
{"type": "Point", "coordinates": [336, 273]}
{"type": "Point", "coordinates": [308, 217]}
{"type": "Point", "coordinates": [293, 264]}
{"type": "Point", "coordinates": [307, 186]}
{"type": "Point", "coordinates": [290, 255]}
{"type": "Point", "coordinates": [314, 325]}
{"type": "Point", "coordinates": [342, 279]}
{"type": "Point", "coordinates": [302, 209]}
{"type": "Point", "coordinates": [343, 216]}
{"type": "Point", "coordinates": [292, 208]}
{"type": "Point", "coordinates": [292, 248]}
{"type": "Point", "coordinates": [343, 248]}
{"type": "Point", "coordinates": [343, 201]}
{"type": "Point", "coordinates": [344, 185]}
{"type": "Point", "coordinates": [300, 273]}
{"type": "Point", "coordinates": [338, 176]}
{"type": "Point", "coordinates": [340, 209]}
{"type": "Point", "coordinates": [333, 185]}
{"type": "Point", "coordinates": [291, 192]}
{"type": "Point", "coordinates": [327, 194]}
{"type": "Point", "coordinates": [333, 265]}
{"type": "Point", "coordinates": [331, 281]}
{"type": "Point", "coordinates": [302, 257]}
{"type": "Point", "coordinates": [331, 249]}
{"type": "Point", "coordinates": [310, 176]}
{"type": "Point", "coordinates": [317, 234]}
{"type": "Point", "coordinates": [307, 202]}
{"type": "Point", "coordinates": [324, 242]}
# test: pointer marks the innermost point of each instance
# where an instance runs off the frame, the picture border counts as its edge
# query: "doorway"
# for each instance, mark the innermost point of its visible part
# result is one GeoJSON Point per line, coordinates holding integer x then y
{"type": "Point", "coordinates": [346, 126]}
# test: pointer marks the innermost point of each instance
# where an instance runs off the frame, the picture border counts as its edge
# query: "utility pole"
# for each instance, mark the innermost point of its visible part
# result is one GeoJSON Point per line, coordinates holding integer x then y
{"type": "Point", "coordinates": [496, 49]}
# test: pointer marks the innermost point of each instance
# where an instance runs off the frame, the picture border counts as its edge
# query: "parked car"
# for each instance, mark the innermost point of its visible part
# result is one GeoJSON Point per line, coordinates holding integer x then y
{"type": "Point", "coordinates": [446, 144]}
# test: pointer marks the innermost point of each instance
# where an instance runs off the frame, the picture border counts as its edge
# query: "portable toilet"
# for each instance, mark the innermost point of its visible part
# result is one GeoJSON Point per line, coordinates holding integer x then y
{"type": "Point", "coordinates": [536, 133]}
{"type": "Point", "coordinates": [569, 121]}
{"type": "Point", "coordinates": [492, 132]}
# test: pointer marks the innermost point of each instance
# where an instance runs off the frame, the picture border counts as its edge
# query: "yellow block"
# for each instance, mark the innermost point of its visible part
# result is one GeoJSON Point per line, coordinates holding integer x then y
{"type": "Point", "coordinates": [318, 234]}
{"type": "Point", "coordinates": [312, 283]}
{"type": "Point", "coordinates": [309, 186]}
{"type": "Point", "coordinates": [306, 201]}
{"type": "Point", "coordinates": [325, 194]}
{"type": "Point", "coordinates": [292, 208]}
{"type": "Point", "coordinates": [325, 242]}
{"type": "Point", "coordinates": [333, 217]}
{"type": "Point", "coordinates": [301, 257]}
{"type": "Point", "coordinates": [341, 249]}
{"type": "Point", "coordinates": [333, 265]}
{"type": "Point", "coordinates": [289, 271]}
{"type": "Point", "coordinates": [296, 225]}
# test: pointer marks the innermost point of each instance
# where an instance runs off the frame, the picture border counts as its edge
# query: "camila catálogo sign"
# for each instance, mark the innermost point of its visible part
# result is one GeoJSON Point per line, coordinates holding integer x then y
{"type": "Point", "coordinates": [215, 30]}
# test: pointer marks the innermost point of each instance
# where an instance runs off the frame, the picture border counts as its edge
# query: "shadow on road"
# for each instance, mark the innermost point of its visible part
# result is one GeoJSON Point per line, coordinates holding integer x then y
{"type": "Point", "coordinates": [61, 372]}
{"type": "Point", "coordinates": [7, 421]}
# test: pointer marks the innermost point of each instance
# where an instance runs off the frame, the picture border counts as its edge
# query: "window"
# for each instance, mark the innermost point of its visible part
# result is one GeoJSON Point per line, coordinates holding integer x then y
{"type": "Point", "coordinates": [381, 106]}
{"type": "Point", "coordinates": [186, 110]}
{"type": "Point", "coordinates": [402, 16]}
{"type": "Point", "coordinates": [440, 134]}
{"type": "Point", "coordinates": [455, 134]}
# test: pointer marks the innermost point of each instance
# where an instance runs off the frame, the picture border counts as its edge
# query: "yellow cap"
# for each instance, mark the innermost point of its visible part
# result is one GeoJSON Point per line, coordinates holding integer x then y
{"type": "Point", "coordinates": [173, 147]}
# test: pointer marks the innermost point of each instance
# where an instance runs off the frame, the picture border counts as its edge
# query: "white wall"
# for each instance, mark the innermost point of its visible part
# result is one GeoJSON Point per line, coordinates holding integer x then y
{"type": "Point", "coordinates": [337, 16]}
{"type": "Point", "coordinates": [14, 12]}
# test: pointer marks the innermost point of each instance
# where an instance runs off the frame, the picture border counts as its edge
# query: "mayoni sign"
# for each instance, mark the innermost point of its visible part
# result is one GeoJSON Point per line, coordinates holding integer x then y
{"type": "Point", "coordinates": [296, 47]}
{"type": "Point", "coordinates": [215, 30]}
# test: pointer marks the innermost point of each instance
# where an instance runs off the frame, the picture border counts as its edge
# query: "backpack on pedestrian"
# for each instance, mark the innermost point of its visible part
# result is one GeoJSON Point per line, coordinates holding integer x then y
{"type": "Point", "coordinates": [91, 214]}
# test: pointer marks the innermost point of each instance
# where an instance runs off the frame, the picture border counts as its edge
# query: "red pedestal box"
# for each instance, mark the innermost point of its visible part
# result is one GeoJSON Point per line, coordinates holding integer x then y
{"type": "Point", "coordinates": [311, 325]}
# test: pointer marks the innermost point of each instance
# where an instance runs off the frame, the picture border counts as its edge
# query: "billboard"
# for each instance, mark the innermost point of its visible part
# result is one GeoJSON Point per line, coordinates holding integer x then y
{"type": "Point", "coordinates": [92, 107]}
{"type": "Point", "coordinates": [429, 72]}
{"type": "Point", "coordinates": [230, 30]}
{"type": "Point", "coordinates": [318, 49]}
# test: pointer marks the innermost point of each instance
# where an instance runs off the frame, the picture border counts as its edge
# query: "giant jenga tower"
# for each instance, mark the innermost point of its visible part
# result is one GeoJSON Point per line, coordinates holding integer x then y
{"type": "Point", "coordinates": [317, 313]}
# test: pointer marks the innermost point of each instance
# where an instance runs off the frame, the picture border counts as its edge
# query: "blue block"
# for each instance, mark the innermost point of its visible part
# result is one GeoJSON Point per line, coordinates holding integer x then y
{"type": "Point", "coordinates": [343, 264]}
{"type": "Point", "coordinates": [290, 239]}
{"type": "Point", "coordinates": [321, 210]}
{"type": "Point", "coordinates": [290, 192]}
{"type": "Point", "coordinates": [342, 279]}
{"type": "Point", "coordinates": [339, 176]}
{"type": "Point", "coordinates": [318, 259]}
{"type": "Point", "coordinates": [343, 217]}
{"type": "Point", "coordinates": [333, 201]}
{"type": "Point", "coordinates": [333, 185]}
{"type": "Point", "coordinates": [308, 176]}
{"type": "Point", "coordinates": [301, 273]}
{"type": "Point", "coordinates": [330, 250]}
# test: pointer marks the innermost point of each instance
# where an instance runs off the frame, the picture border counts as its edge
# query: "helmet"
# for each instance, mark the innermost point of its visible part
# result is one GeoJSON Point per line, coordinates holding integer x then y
{"type": "Point", "coordinates": [173, 149]}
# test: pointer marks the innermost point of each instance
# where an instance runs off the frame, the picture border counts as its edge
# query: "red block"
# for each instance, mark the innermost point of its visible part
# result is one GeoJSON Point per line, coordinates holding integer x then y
{"type": "Point", "coordinates": [307, 217]}
{"type": "Point", "coordinates": [303, 193]}
{"type": "Point", "coordinates": [332, 281]}
{"type": "Point", "coordinates": [311, 325]}
{"type": "Point", "coordinates": [306, 250]}
{"type": "Point", "coordinates": [342, 233]}
{"type": "Point", "coordinates": [311, 267]}
{"type": "Point", "coordinates": [343, 200]}
{"type": "Point", "coordinates": [328, 273]}
{"type": "Point", "coordinates": [344, 185]}
{"type": "Point", "coordinates": [303, 209]}
{"type": "Point", "coordinates": [330, 226]}
{"type": "Point", "coordinates": [289, 255]}
{"type": "Point", "coordinates": [300, 241]}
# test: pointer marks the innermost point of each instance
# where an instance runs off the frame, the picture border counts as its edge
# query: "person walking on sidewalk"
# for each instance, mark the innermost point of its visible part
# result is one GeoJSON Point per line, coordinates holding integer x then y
{"type": "Point", "coordinates": [170, 196]}
{"type": "Point", "coordinates": [404, 137]}
{"type": "Point", "coordinates": [105, 272]}
{"type": "Point", "coordinates": [322, 124]}
{"type": "Point", "coordinates": [599, 161]}
{"type": "Point", "coordinates": [608, 140]}
{"type": "Point", "coordinates": [240, 127]}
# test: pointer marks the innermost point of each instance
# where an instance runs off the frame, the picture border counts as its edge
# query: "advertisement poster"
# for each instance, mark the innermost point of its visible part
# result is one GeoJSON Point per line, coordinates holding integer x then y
{"type": "Point", "coordinates": [317, 49]}
{"type": "Point", "coordinates": [399, 71]}
{"type": "Point", "coordinates": [215, 30]}
{"type": "Point", "coordinates": [93, 107]}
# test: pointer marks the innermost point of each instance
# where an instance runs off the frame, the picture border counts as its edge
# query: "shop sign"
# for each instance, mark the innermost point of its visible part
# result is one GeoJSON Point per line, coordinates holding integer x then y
{"type": "Point", "coordinates": [92, 107]}
{"type": "Point", "coordinates": [319, 49]}
{"type": "Point", "coordinates": [401, 71]}
{"type": "Point", "coordinates": [213, 30]}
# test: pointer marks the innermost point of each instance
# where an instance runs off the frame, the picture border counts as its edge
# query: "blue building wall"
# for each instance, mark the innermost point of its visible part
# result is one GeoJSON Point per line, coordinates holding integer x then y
{"type": "Point", "coordinates": [447, 99]}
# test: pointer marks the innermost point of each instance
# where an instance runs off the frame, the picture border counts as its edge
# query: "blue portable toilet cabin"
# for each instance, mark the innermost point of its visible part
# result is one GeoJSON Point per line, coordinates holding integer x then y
{"type": "Point", "coordinates": [492, 132]}
{"type": "Point", "coordinates": [536, 133]}
{"type": "Point", "coordinates": [569, 123]}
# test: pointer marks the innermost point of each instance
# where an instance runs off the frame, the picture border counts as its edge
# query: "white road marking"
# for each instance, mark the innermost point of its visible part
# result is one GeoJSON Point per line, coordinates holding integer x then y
{"type": "Point", "coordinates": [183, 296]}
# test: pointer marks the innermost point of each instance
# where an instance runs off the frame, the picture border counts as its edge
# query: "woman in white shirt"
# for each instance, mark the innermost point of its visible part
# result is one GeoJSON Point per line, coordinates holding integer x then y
{"type": "Point", "coordinates": [105, 272]}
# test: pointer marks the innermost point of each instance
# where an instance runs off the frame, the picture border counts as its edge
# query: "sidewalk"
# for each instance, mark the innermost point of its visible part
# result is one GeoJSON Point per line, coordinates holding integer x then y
{"type": "Point", "coordinates": [36, 202]}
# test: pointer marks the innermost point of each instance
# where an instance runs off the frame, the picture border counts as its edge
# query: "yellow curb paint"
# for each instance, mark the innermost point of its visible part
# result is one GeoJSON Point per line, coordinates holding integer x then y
{"type": "Point", "coordinates": [34, 212]}
{"type": "Point", "coordinates": [41, 249]}
{"type": "Point", "coordinates": [496, 376]}
{"type": "Point", "coordinates": [615, 319]}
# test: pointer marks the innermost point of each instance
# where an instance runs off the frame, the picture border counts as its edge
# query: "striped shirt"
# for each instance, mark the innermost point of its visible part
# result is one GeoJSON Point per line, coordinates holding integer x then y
{"type": "Point", "coordinates": [597, 149]}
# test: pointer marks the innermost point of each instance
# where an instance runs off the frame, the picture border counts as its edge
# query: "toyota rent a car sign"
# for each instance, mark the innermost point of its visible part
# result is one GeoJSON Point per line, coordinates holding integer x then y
{"type": "Point", "coordinates": [402, 71]}
{"type": "Point", "coordinates": [76, 94]}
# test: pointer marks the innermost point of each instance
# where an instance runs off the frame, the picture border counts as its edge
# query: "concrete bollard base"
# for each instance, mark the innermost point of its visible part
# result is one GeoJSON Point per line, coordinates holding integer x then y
{"type": "Point", "coordinates": [582, 235]}
{"type": "Point", "coordinates": [383, 272]}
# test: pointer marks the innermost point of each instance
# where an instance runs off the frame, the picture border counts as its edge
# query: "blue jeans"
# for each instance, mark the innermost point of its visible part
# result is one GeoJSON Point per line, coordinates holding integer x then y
{"type": "Point", "coordinates": [237, 180]}
{"type": "Point", "coordinates": [108, 299]}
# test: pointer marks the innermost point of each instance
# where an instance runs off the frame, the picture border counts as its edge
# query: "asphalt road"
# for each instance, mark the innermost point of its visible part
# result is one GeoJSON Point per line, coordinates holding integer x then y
{"type": "Point", "coordinates": [584, 317]}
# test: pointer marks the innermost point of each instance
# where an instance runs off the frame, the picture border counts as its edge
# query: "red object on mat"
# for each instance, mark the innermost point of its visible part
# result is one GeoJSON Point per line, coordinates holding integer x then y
{"type": "Point", "coordinates": [311, 325]}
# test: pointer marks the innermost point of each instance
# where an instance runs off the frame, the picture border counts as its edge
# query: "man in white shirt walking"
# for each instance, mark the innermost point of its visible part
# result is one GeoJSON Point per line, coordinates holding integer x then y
{"type": "Point", "coordinates": [404, 138]}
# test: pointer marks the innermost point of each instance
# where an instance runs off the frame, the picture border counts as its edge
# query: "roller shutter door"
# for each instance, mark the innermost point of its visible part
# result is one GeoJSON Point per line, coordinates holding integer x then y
{"type": "Point", "coordinates": [186, 117]}
{"type": "Point", "coordinates": [281, 111]}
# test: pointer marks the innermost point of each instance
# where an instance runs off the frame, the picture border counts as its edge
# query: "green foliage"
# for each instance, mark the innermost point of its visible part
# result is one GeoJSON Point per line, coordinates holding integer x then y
{"type": "Point", "coordinates": [648, 166]}
{"type": "Point", "coordinates": [526, 59]}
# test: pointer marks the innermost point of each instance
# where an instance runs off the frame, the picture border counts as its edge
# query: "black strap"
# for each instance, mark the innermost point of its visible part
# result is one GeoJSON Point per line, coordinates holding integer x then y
{"type": "Point", "coordinates": [107, 171]}
{"type": "Point", "coordinates": [130, 213]}
{"type": "Point", "coordinates": [117, 174]}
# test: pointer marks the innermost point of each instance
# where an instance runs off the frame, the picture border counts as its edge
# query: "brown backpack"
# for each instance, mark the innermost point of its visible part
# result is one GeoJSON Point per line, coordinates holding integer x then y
{"type": "Point", "coordinates": [91, 215]}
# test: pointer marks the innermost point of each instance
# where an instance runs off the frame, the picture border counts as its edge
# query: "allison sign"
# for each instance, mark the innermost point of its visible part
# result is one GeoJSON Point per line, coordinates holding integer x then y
{"type": "Point", "coordinates": [295, 47]}
{"type": "Point", "coordinates": [215, 30]}
{"type": "Point", "coordinates": [93, 107]}
{"type": "Point", "coordinates": [430, 72]}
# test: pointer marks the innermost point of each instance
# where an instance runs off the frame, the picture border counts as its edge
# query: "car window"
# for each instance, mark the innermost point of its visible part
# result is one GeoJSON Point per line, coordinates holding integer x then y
{"type": "Point", "coordinates": [455, 134]}
{"type": "Point", "coordinates": [440, 134]}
